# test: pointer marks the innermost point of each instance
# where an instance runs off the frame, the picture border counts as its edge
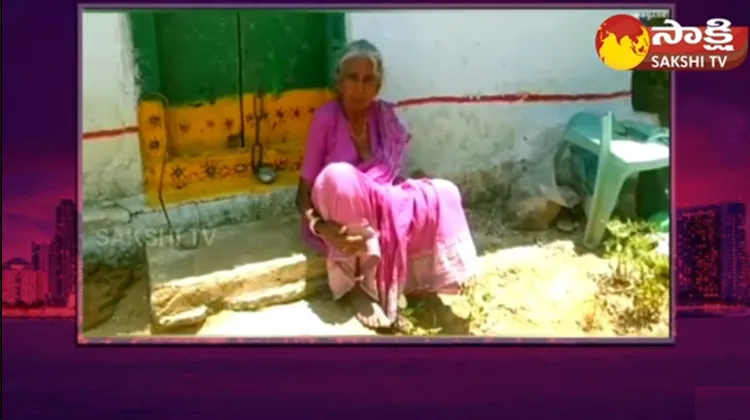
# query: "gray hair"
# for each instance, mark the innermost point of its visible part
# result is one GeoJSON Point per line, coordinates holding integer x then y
{"type": "Point", "coordinates": [360, 48]}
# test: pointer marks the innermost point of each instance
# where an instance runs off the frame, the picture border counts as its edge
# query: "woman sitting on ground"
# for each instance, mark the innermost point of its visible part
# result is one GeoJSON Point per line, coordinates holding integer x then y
{"type": "Point", "coordinates": [384, 235]}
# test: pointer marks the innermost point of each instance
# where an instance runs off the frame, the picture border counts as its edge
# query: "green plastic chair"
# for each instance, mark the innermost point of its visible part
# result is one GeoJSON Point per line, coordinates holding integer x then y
{"type": "Point", "coordinates": [619, 158]}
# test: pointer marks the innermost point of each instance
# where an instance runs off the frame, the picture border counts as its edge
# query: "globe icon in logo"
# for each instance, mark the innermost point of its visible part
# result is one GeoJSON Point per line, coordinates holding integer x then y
{"type": "Point", "coordinates": [622, 42]}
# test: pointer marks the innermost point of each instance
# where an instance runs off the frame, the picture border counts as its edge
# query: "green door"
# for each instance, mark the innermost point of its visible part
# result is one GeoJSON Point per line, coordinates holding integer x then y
{"type": "Point", "coordinates": [209, 66]}
{"type": "Point", "coordinates": [283, 51]}
{"type": "Point", "coordinates": [199, 66]}
{"type": "Point", "coordinates": [286, 67]}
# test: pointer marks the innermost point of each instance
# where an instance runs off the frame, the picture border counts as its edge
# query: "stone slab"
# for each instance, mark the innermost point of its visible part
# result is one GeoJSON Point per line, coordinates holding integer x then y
{"type": "Point", "coordinates": [183, 319]}
{"type": "Point", "coordinates": [286, 293]}
{"type": "Point", "coordinates": [229, 262]}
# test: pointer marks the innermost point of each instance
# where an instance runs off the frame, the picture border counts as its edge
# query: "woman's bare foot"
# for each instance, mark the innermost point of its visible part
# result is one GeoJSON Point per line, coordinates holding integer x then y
{"type": "Point", "coordinates": [368, 312]}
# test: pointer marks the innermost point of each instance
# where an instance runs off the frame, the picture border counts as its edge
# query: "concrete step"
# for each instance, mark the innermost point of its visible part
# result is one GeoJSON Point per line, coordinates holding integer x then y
{"type": "Point", "coordinates": [237, 266]}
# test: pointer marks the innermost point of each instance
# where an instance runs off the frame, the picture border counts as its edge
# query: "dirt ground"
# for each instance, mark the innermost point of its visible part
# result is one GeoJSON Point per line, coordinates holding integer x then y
{"type": "Point", "coordinates": [532, 284]}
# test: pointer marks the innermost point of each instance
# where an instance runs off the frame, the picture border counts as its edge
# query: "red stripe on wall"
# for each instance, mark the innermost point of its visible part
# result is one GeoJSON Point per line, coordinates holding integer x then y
{"type": "Point", "coordinates": [438, 100]}
{"type": "Point", "coordinates": [105, 134]}
{"type": "Point", "coordinates": [514, 97]}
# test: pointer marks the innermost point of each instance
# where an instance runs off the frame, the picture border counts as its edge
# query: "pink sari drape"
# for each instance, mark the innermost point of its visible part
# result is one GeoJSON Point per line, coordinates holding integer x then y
{"type": "Point", "coordinates": [417, 223]}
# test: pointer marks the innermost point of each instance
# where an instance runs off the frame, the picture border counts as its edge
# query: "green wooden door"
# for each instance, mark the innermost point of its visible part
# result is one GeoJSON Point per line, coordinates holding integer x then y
{"type": "Point", "coordinates": [210, 66]}
{"type": "Point", "coordinates": [198, 65]}
{"type": "Point", "coordinates": [199, 55]}
{"type": "Point", "coordinates": [285, 60]}
{"type": "Point", "coordinates": [283, 51]}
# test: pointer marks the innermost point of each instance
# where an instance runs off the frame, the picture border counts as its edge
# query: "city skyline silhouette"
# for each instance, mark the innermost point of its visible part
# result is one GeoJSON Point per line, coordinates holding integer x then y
{"type": "Point", "coordinates": [49, 277]}
{"type": "Point", "coordinates": [711, 263]}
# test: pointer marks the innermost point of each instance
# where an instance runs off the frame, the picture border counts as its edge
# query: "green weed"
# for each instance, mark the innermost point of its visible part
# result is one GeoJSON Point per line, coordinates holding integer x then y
{"type": "Point", "coordinates": [638, 272]}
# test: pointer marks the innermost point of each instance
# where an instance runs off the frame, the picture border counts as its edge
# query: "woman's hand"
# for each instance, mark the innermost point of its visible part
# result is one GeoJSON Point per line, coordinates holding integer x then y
{"type": "Point", "coordinates": [337, 237]}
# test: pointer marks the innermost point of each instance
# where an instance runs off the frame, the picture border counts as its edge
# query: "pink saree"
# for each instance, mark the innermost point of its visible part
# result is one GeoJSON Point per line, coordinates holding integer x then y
{"type": "Point", "coordinates": [418, 237]}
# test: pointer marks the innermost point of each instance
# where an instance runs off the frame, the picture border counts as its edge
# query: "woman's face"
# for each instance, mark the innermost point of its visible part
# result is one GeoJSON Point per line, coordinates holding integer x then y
{"type": "Point", "coordinates": [358, 83]}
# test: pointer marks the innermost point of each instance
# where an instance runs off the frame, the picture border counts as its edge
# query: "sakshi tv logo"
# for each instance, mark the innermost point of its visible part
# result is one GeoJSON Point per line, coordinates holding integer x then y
{"type": "Point", "coordinates": [624, 43]}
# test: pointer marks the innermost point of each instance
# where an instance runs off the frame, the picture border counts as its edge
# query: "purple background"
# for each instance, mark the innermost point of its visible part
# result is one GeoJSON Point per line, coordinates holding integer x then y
{"type": "Point", "coordinates": [46, 375]}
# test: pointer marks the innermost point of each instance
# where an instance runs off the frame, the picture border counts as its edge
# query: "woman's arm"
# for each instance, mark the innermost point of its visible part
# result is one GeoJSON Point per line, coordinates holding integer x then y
{"type": "Point", "coordinates": [304, 200]}
{"type": "Point", "coordinates": [324, 228]}
{"type": "Point", "coordinates": [313, 160]}
{"type": "Point", "coordinates": [312, 164]}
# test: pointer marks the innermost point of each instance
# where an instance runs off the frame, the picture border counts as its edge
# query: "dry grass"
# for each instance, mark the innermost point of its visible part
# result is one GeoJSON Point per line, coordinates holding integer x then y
{"type": "Point", "coordinates": [538, 284]}
{"type": "Point", "coordinates": [640, 276]}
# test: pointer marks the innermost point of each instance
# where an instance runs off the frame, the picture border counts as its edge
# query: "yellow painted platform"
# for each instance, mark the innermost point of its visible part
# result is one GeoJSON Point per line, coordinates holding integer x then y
{"type": "Point", "coordinates": [199, 152]}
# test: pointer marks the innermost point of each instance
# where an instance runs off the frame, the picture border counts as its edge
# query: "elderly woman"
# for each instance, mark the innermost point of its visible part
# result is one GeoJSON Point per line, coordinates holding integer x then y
{"type": "Point", "coordinates": [384, 235]}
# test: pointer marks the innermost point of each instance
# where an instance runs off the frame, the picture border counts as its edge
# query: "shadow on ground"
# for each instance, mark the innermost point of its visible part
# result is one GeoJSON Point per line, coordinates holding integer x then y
{"type": "Point", "coordinates": [332, 313]}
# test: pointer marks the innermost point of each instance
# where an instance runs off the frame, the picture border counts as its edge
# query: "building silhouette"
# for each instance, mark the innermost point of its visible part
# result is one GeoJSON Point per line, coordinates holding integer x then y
{"type": "Point", "coordinates": [733, 253]}
{"type": "Point", "coordinates": [51, 276]}
{"type": "Point", "coordinates": [41, 260]}
{"type": "Point", "coordinates": [698, 244]}
{"type": "Point", "coordinates": [23, 284]}
{"type": "Point", "coordinates": [712, 263]}
{"type": "Point", "coordinates": [64, 253]}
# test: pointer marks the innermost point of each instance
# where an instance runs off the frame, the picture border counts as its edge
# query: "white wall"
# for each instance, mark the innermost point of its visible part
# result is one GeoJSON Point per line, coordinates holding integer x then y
{"type": "Point", "coordinates": [428, 53]}
{"type": "Point", "coordinates": [111, 166]}
{"type": "Point", "coordinates": [486, 52]}
{"type": "Point", "coordinates": [449, 52]}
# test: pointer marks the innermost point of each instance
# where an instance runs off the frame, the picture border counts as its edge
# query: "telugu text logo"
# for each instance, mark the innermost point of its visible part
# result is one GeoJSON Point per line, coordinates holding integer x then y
{"type": "Point", "coordinates": [624, 43]}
